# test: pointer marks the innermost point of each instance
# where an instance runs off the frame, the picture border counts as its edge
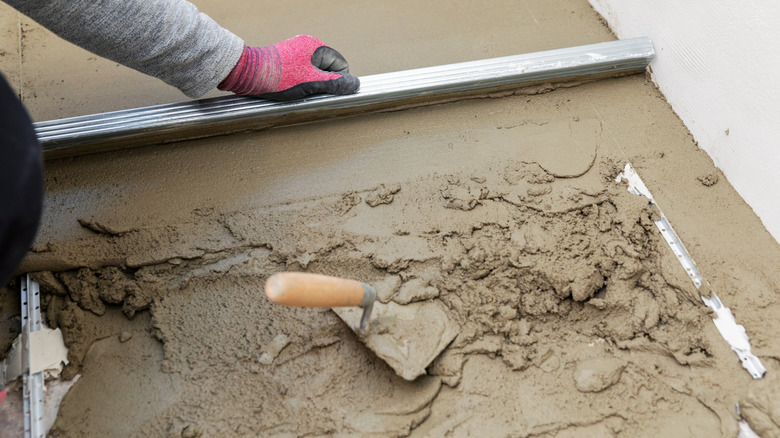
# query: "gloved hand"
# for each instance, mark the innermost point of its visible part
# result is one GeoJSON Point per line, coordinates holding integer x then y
{"type": "Point", "coordinates": [289, 70]}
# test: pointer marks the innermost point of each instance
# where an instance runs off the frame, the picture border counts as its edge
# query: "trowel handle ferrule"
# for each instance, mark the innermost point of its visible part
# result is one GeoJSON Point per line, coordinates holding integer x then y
{"type": "Point", "coordinates": [314, 290]}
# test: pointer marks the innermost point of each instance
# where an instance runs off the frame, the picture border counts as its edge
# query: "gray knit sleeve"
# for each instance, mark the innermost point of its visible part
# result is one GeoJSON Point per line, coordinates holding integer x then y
{"type": "Point", "coordinates": [167, 39]}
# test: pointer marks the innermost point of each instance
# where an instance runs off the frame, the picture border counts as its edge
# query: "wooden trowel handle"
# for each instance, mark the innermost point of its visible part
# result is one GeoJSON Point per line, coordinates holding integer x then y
{"type": "Point", "coordinates": [315, 290]}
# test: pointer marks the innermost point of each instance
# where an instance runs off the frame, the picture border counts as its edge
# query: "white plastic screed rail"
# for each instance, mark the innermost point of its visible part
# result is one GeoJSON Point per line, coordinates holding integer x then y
{"type": "Point", "coordinates": [724, 320]}
{"type": "Point", "coordinates": [216, 116]}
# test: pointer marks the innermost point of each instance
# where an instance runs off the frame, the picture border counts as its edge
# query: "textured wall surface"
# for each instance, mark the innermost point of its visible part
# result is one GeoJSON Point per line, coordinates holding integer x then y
{"type": "Point", "coordinates": [717, 64]}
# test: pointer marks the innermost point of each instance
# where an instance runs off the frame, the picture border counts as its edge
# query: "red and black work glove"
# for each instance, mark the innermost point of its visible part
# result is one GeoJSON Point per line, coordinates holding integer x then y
{"type": "Point", "coordinates": [289, 70]}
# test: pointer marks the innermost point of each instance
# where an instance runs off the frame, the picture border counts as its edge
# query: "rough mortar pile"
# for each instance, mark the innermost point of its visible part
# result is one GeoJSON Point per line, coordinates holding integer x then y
{"type": "Point", "coordinates": [568, 309]}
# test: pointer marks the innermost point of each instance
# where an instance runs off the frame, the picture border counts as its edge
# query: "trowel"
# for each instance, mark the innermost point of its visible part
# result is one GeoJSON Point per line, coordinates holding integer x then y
{"type": "Point", "coordinates": [407, 337]}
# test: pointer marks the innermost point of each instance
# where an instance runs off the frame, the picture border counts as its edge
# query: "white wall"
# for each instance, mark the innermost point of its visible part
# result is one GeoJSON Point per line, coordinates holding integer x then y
{"type": "Point", "coordinates": [718, 63]}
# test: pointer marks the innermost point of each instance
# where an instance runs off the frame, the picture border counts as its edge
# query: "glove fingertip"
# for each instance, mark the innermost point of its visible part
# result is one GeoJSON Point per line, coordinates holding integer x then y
{"type": "Point", "coordinates": [329, 59]}
{"type": "Point", "coordinates": [350, 84]}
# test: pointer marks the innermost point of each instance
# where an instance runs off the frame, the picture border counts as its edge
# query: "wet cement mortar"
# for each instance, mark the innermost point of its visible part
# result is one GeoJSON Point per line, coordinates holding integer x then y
{"type": "Point", "coordinates": [572, 316]}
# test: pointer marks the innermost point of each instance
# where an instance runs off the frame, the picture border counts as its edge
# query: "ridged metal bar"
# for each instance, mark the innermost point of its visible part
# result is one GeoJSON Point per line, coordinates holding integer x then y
{"type": "Point", "coordinates": [32, 383]}
{"type": "Point", "coordinates": [424, 86]}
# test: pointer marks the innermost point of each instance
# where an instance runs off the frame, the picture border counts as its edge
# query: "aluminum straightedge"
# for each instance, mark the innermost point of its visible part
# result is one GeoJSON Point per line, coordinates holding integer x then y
{"type": "Point", "coordinates": [222, 115]}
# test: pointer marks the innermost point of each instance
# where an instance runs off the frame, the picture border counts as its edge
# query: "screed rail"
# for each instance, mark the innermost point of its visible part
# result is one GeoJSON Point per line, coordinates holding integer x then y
{"type": "Point", "coordinates": [32, 381]}
{"type": "Point", "coordinates": [424, 86]}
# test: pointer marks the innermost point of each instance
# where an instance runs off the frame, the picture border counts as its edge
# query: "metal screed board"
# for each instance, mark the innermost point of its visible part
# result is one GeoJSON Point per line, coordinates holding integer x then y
{"type": "Point", "coordinates": [424, 86]}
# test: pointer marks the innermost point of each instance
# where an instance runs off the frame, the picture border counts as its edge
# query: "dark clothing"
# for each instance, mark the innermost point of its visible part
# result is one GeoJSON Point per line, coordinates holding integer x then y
{"type": "Point", "coordinates": [21, 182]}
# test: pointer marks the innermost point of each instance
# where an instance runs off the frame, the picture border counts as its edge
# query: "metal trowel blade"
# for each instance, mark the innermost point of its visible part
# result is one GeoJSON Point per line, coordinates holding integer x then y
{"type": "Point", "coordinates": [407, 337]}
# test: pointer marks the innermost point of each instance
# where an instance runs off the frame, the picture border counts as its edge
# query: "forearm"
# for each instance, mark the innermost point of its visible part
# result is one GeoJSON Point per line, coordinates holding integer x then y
{"type": "Point", "coordinates": [167, 39]}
